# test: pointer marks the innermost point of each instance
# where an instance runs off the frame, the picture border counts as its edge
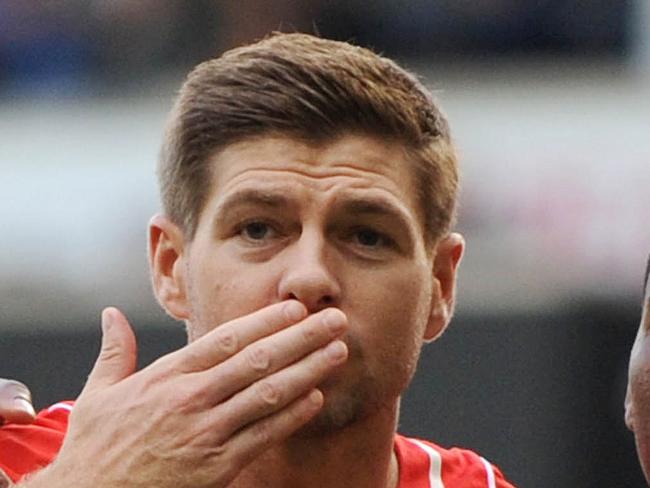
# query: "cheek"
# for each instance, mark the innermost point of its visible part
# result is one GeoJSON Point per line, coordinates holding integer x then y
{"type": "Point", "coordinates": [223, 292]}
{"type": "Point", "coordinates": [395, 310]}
{"type": "Point", "coordinates": [388, 317]}
{"type": "Point", "coordinates": [403, 295]}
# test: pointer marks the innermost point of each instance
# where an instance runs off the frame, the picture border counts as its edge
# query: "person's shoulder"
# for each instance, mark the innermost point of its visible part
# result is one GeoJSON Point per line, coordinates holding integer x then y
{"type": "Point", "coordinates": [424, 463]}
{"type": "Point", "coordinates": [27, 448]}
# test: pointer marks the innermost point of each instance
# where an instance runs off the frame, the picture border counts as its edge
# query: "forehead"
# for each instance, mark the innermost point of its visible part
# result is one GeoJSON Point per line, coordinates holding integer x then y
{"type": "Point", "coordinates": [354, 163]}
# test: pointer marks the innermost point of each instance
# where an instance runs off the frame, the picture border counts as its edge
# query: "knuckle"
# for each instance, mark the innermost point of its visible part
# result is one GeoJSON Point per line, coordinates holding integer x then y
{"type": "Point", "coordinates": [310, 334]}
{"type": "Point", "coordinates": [192, 359]}
{"type": "Point", "coordinates": [219, 425]}
{"type": "Point", "coordinates": [262, 432]}
{"type": "Point", "coordinates": [227, 341]}
{"type": "Point", "coordinates": [162, 368]}
{"type": "Point", "coordinates": [269, 393]}
{"type": "Point", "coordinates": [218, 449]}
{"type": "Point", "coordinates": [221, 452]}
{"type": "Point", "coordinates": [110, 353]}
{"type": "Point", "coordinates": [151, 379]}
{"type": "Point", "coordinates": [184, 399]}
{"type": "Point", "coordinates": [258, 358]}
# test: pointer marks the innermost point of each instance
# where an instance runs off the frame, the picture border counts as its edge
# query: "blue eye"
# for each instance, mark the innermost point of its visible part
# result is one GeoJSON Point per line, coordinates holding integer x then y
{"type": "Point", "coordinates": [256, 231]}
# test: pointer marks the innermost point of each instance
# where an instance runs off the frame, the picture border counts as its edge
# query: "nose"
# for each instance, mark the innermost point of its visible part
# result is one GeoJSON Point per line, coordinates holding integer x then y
{"type": "Point", "coordinates": [308, 276]}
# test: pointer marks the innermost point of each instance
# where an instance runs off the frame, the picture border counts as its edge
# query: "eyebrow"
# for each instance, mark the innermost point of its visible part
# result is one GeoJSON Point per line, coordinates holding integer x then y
{"type": "Point", "coordinates": [252, 197]}
{"type": "Point", "coordinates": [371, 206]}
{"type": "Point", "coordinates": [368, 206]}
{"type": "Point", "coordinates": [377, 207]}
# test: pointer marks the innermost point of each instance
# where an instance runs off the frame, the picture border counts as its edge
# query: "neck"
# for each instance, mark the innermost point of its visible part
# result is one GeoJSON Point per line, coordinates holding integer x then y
{"type": "Point", "coordinates": [360, 456]}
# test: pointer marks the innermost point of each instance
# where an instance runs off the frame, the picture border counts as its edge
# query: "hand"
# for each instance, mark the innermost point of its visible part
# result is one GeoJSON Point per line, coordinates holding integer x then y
{"type": "Point", "coordinates": [197, 416]}
{"type": "Point", "coordinates": [15, 403]}
{"type": "Point", "coordinates": [637, 399]}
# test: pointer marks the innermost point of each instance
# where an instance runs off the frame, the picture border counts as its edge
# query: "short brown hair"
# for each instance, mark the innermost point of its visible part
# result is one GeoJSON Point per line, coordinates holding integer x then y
{"type": "Point", "coordinates": [310, 88]}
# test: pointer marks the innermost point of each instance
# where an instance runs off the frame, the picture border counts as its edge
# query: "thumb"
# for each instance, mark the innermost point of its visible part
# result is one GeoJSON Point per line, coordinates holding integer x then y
{"type": "Point", "coordinates": [118, 354]}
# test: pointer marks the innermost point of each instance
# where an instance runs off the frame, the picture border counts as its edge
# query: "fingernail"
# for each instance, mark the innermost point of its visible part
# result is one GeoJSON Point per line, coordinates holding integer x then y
{"type": "Point", "coordinates": [336, 351]}
{"type": "Point", "coordinates": [24, 405]}
{"type": "Point", "coordinates": [294, 311]}
{"type": "Point", "coordinates": [335, 320]}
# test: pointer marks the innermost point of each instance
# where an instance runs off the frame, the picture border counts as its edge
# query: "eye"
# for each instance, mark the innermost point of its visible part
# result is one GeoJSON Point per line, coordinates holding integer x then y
{"type": "Point", "coordinates": [256, 231]}
{"type": "Point", "coordinates": [370, 238]}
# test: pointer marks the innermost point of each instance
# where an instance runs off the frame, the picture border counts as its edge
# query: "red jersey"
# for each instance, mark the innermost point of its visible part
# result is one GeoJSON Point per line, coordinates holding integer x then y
{"type": "Point", "coordinates": [27, 448]}
{"type": "Point", "coordinates": [423, 464]}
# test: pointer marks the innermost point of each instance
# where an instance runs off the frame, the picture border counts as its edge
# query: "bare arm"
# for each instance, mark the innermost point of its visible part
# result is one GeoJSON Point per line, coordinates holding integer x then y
{"type": "Point", "coordinates": [197, 416]}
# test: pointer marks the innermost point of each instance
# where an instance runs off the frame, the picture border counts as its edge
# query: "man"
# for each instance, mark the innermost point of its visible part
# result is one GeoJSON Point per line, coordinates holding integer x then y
{"type": "Point", "coordinates": [637, 400]}
{"type": "Point", "coordinates": [309, 190]}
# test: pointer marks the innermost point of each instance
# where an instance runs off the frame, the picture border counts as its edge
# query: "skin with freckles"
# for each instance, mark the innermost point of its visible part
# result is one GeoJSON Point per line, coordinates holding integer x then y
{"type": "Point", "coordinates": [637, 400]}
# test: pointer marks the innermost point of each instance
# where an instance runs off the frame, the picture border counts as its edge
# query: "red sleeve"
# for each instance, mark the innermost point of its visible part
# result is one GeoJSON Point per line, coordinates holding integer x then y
{"type": "Point", "coordinates": [27, 448]}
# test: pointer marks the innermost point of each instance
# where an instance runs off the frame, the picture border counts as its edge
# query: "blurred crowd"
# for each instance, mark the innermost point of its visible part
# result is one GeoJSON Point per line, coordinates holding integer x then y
{"type": "Point", "coordinates": [73, 46]}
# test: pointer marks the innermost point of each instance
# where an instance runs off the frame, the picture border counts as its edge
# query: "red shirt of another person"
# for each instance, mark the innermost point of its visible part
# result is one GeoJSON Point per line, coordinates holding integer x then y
{"type": "Point", "coordinates": [27, 448]}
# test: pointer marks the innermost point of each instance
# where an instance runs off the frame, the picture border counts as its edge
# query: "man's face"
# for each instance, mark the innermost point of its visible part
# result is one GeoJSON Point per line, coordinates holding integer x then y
{"type": "Point", "coordinates": [334, 225]}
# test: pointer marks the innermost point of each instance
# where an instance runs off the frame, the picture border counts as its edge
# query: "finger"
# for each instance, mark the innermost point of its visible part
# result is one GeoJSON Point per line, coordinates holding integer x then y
{"type": "Point", "coordinates": [274, 392]}
{"type": "Point", "coordinates": [15, 403]}
{"type": "Point", "coordinates": [255, 439]}
{"type": "Point", "coordinates": [272, 353]}
{"type": "Point", "coordinates": [231, 337]}
{"type": "Point", "coordinates": [118, 355]}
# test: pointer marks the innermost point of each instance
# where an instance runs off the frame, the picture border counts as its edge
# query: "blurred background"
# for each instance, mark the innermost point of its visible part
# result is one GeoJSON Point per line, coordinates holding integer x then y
{"type": "Point", "coordinates": [549, 104]}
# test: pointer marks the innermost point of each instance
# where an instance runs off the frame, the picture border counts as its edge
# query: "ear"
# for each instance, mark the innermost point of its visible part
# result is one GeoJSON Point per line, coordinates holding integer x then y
{"type": "Point", "coordinates": [167, 265]}
{"type": "Point", "coordinates": [448, 254]}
